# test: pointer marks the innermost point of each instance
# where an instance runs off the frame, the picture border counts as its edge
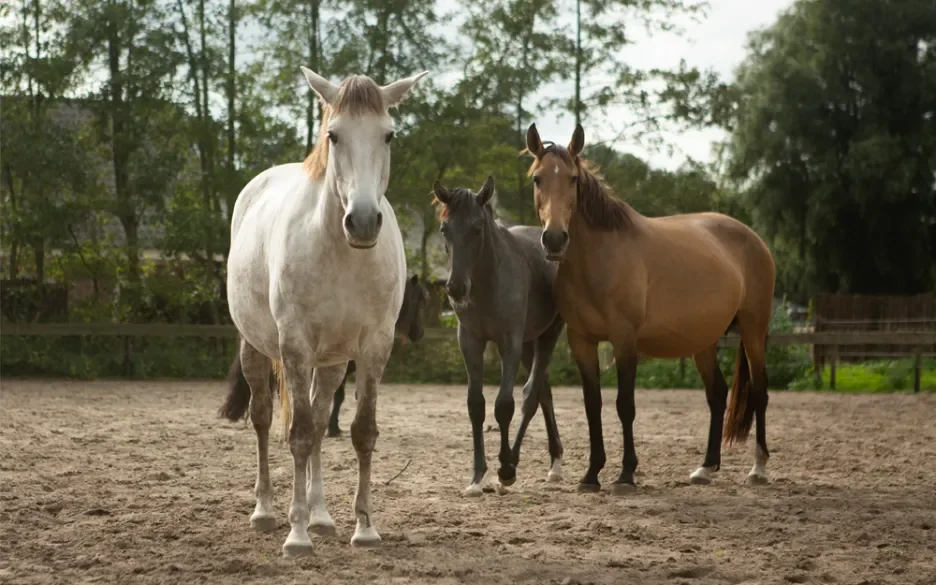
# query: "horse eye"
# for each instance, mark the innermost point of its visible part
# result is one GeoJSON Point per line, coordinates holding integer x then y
{"type": "Point", "coordinates": [574, 179]}
{"type": "Point", "coordinates": [333, 137]}
{"type": "Point", "coordinates": [389, 137]}
{"type": "Point", "coordinates": [536, 180]}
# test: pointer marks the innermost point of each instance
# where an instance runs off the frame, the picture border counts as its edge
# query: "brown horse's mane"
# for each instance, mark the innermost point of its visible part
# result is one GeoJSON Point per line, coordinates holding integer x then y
{"type": "Point", "coordinates": [596, 201]}
{"type": "Point", "coordinates": [357, 95]}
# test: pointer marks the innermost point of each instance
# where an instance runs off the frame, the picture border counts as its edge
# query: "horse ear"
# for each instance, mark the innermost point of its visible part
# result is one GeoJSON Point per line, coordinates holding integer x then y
{"type": "Point", "coordinates": [321, 86]}
{"type": "Point", "coordinates": [534, 144]}
{"type": "Point", "coordinates": [441, 193]}
{"type": "Point", "coordinates": [394, 93]}
{"type": "Point", "coordinates": [578, 141]}
{"type": "Point", "coordinates": [487, 190]}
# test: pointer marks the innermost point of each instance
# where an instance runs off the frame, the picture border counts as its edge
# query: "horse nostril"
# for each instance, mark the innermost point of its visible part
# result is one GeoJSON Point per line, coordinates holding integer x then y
{"type": "Point", "coordinates": [379, 219]}
{"type": "Point", "coordinates": [564, 238]}
{"type": "Point", "coordinates": [348, 223]}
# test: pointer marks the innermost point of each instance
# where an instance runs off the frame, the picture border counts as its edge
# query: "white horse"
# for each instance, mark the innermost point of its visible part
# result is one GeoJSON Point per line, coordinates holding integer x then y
{"type": "Point", "coordinates": [316, 274]}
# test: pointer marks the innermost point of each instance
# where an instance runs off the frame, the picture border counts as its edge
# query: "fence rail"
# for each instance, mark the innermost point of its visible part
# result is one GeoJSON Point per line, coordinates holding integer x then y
{"type": "Point", "coordinates": [916, 342]}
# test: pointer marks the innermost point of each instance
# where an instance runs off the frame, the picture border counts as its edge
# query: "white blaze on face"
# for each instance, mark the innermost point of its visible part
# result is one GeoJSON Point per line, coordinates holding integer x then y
{"type": "Point", "coordinates": [360, 158]}
{"type": "Point", "coordinates": [556, 169]}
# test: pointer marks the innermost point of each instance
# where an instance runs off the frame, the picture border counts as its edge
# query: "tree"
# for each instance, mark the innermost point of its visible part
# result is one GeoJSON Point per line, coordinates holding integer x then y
{"type": "Point", "coordinates": [602, 28]}
{"type": "Point", "coordinates": [143, 128]}
{"type": "Point", "coordinates": [45, 168]}
{"type": "Point", "coordinates": [834, 144]}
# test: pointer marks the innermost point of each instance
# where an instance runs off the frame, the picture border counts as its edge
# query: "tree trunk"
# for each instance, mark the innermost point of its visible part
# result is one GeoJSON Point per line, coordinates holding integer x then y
{"type": "Point", "coordinates": [231, 87]}
{"type": "Point", "coordinates": [14, 226]}
{"type": "Point", "coordinates": [120, 153]}
{"type": "Point", "coordinates": [314, 65]}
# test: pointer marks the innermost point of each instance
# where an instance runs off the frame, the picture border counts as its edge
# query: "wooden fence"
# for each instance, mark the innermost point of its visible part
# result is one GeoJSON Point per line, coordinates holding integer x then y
{"type": "Point", "coordinates": [914, 343]}
{"type": "Point", "coordinates": [843, 312]}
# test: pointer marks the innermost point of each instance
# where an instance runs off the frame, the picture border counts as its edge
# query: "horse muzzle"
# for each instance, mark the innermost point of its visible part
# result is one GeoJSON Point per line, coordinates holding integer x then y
{"type": "Point", "coordinates": [362, 226]}
{"type": "Point", "coordinates": [555, 243]}
{"type": "Point", "coordinates": [457, 291]}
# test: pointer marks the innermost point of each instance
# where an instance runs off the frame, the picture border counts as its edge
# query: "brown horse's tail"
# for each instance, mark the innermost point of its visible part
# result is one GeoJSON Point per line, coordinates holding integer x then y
{"type": "Point", "coordinates": [741, 405]}
{"type": "Point", "coordinates": [238, 398]}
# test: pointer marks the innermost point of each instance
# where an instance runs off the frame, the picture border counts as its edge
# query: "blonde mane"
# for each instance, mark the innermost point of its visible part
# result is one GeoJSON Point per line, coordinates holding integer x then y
{"type": "Point", "coordinates": [357, 95]}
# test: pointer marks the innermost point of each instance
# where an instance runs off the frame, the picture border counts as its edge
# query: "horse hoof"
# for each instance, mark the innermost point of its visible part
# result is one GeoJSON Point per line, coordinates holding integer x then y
{"type": "Point", "coordinates": [589, 488]}
{"type": "Point", "coordinates": [263, 523]}
{"type": "Point", "coordinates": [502, 490]}
{"type": "Point", "coordinates": [335, 432]}
{"type": "Point", "coordinates": [365, 538]}
{"type": "Point", "coordinates": [297, 545]}
{"type": "Point", "coordinates": [555, 472]}
{"type": "Point", "coordinates": [473, 491]}
{"type": "Point", "coordinates": [701, 476]}
{"type": "Point", "coordinates": [622, 489]}
{"type": "Point", "coordinates": [323, 528]}
{"type": "Point", "coordinates": [757, 479]}
{"type": "Point", "coordinates": [507, 475]}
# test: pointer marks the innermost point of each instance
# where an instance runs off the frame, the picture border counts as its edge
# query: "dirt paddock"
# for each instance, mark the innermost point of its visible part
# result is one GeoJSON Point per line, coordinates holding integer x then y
{"type": "Point", "coordinates": [122, 482]}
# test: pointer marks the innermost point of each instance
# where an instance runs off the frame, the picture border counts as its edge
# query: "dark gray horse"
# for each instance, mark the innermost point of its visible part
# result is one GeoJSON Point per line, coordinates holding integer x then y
{"type": "Point", "coordinates": [500, 285]}
{"type": "Point", "coordinates": [409, 327]}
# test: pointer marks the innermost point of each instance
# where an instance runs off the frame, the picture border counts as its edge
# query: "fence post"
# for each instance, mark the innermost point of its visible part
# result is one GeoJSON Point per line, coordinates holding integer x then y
{"type": "Point", "coordinates": [917, 369]}
{"type": "Point", "coordinates": [833, 358]}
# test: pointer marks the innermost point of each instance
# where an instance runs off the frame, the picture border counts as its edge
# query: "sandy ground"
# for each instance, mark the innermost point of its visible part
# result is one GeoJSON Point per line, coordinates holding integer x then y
{"type": "Point", "coordinates": [117, 482]}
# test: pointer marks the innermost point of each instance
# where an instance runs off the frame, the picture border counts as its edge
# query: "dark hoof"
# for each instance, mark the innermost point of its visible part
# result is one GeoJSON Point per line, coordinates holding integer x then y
{"type": "Point", "coordinates": [589, 488]}
{"type": "Point", "coordinates": [622, 489]}
{"type": "Point", "coordinates": [334, 432]}
{"type": "Point", "coordinates": [507, 475]}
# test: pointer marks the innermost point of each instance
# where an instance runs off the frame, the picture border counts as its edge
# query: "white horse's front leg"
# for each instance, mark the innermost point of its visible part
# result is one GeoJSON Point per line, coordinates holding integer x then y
{"type": "Point", "coordinates": [297, 370]}
{"type": "Point", "coordinates": [364, 437]}
{"type": "Point", "coordinates": [325, 382]}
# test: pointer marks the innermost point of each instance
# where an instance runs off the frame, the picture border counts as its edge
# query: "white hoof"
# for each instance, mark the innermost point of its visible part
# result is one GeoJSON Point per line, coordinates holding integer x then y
{"type": "Point", "coordinates": [365, 537]}
{"type": "Point", "coordinates": [502, 490]}
{"type": "Point", "coordinates": [262, 522]}
{"type": "Point", "coordinates": [757, 478]}
{"type": "Point", "coordinates": [323, 528]}
{"type": "Point", "coordinates": [473, 491]}
{"type": "Point", "coordinates": [297, 544]}
{"type": "Point", "coordinates": [555, 472]}
{"type": "Point", "coordinates": [702, 476]}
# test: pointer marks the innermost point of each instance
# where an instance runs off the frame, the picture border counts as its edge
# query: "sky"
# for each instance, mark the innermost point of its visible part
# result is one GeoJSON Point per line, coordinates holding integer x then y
{"type": "Point", "coordinates": [717, 42]}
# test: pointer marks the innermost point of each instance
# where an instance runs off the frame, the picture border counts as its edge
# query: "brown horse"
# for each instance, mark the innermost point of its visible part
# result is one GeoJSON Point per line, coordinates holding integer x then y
{"type": "Point", "coordinates": [662, 287]}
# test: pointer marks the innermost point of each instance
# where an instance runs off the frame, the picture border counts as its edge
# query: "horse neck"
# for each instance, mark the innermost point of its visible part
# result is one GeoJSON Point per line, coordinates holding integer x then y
{"type": "Point", "coordinates": [328, 207]}
{"type": "Point", "coordinates": [486, 264]}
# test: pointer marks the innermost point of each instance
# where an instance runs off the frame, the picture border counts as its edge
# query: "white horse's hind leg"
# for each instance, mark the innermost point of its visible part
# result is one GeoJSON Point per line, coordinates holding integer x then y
{"type": "Point", "coordinates": [256, 367]}
{"type": "Point", "coordinates": [297, 371]}
{"type": "Point", "coordinates": [325, 382]}
{"type": "Point", "coordinates": [364, 437]}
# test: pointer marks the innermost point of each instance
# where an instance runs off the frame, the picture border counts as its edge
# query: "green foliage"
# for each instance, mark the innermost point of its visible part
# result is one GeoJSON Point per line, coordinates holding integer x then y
{"type": "Point", "coordinates": [834, 141]}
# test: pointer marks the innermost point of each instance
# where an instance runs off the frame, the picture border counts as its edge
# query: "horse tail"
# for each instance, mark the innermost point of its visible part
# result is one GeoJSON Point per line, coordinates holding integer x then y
{"type": "Point", "coordinates": [740, 412]}
{"type": "Point", "coordinates": [284, 398]}
{"type": "Point", "coordinates": [237, 401]}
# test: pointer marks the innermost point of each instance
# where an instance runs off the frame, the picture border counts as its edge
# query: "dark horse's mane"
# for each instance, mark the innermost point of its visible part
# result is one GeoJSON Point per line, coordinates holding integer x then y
{"type": "Point", "coordinates": [596, 201]}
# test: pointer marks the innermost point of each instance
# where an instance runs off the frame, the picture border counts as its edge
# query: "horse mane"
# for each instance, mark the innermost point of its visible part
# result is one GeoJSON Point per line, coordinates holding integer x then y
{"type": "Point", "coordinates": [596, 201]}
{"type": "Point", "coordinates": [357, 95]}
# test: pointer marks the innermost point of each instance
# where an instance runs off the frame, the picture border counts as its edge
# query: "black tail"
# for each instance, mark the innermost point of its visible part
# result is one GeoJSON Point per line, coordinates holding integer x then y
{"type": "Point", "coordinates": [238, 398]}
